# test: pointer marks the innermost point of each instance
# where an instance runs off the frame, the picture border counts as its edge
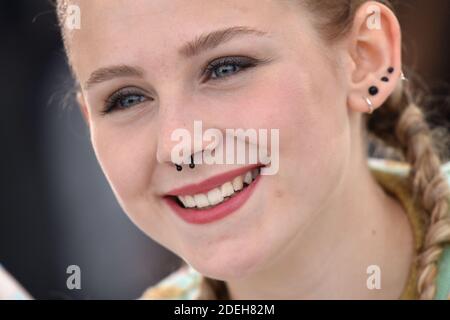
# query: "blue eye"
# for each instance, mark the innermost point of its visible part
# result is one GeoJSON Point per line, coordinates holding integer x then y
{"type": "Point", "coordinates": [123, 99]}
{"type": "Point", "coordinates": [226, 67]}
{"type": "Point", "coordinates": [225, 70]}
{"type": "Point", "coordinates": [130, 100]}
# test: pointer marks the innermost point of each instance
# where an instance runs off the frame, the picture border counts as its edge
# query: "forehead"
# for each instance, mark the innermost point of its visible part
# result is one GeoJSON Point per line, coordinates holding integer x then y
{"type": "Point", "coordinates": [114, 30]}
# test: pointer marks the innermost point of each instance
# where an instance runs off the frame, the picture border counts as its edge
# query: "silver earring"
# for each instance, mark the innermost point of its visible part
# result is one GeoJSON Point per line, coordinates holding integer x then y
{"type": "Point", "coordinates": [370, 104]}
{"type": "Point", "coordinates": [402, 76]}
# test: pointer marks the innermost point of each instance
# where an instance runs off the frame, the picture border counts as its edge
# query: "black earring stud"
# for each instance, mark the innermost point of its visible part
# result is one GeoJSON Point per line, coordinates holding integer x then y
{"type": "Point", "coordinates": [179, 168]}
{"type": "Point", "coordinates": [192, 164]}
{"type": "Point", "coordinates": [373, 90]}
{"type": "Point", "coordinates": [390, 69]}
{"type": "Point", "coordinates": [385, 79]}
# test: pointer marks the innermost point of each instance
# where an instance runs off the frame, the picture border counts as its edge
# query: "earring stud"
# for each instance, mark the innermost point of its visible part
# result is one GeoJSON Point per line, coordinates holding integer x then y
{"type": "Point", "coordinates": [373, 90]}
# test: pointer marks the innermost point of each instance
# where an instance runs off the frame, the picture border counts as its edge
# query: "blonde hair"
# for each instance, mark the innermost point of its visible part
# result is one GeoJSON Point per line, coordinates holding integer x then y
{"type": "Point", "coordinates": [399, 129]}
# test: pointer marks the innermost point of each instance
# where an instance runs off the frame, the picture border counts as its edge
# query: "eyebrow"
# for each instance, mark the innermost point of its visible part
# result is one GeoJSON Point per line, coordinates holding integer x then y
{"type": "Point", "coordinates": [214, 39]}
{"type": "Point", "coordinates": [192, 48]}
{"type": "Point", "coordinates": [109, 73]}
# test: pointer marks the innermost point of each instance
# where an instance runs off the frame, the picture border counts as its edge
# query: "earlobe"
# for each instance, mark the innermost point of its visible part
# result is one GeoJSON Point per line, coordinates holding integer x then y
{"type": "Point", "coordinates": [83, 107]}
{"type": "Point", "coordinates": [375, 54]}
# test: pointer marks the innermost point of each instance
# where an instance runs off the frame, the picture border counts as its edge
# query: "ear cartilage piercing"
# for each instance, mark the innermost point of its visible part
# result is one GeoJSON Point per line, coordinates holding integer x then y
{"type": "Point", "coordinates": [373, 90]}
{"type": "Point", "coordinates": [179, 168]}
{"type": "Point", "coordinates": [385, 79]}
{"type": "Point", "coordinates": [403, 77]}
{"type": "Point", "coordinates": [390, 69]}
{"type": "Point", "coordinates": [192, 164]}
{"type": "Point", "coordinates": [370, 104]}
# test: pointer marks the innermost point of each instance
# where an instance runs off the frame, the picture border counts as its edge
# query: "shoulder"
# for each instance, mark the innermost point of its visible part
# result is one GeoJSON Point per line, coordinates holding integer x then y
{"type": "Point", "coordinates": [400, 168]}
{"type": "Point", "coordinates": [446, 169]}
{"type": "Point", "coordinates": [392, 168]}
{"type": "Point", "coordinates": [389, 166]}
{"type": "Point", "coordinates": [443, 278]}
{"type": "Point", "coordinates": [10, 289]}
{"type": "Point", "coordinates": [183, 284]}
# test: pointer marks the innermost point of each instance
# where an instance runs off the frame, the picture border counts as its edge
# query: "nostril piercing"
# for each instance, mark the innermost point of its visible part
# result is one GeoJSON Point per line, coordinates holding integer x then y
{"type": "Point", "coordinates": [192, 164]}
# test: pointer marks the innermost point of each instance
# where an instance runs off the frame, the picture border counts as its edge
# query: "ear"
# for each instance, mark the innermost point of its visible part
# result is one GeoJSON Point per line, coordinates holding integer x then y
{"type": "Point", "coordinates": [83, 107]}
{"type": "Point", "coordinates": [374, 48]}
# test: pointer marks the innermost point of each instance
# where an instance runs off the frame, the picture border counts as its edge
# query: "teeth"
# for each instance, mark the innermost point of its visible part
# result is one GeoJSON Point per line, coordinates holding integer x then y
{"type": "Point", "coordinates": [218, 195]}
{"type": "Point", "coordinates": [201, 200]}
{"type": "Point", "coordinates": [181, 198]}
{"type": "Point", "coordinates": [248, 178]}
{"type": "Point", "coordinates": [238, 183]}
{"type": "Point", "coordinates": [189, 201]}
{"type": "Point", "coordinates": [215, 196]}
{"type": "Point", "coordinates": [255, 173]}
{"type": "Point", "coordinates": [227, 189]}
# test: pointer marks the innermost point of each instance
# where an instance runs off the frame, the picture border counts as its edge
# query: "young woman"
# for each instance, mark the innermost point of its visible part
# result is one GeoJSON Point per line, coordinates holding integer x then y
{"type": "Point", "coordinates": [328, 75]}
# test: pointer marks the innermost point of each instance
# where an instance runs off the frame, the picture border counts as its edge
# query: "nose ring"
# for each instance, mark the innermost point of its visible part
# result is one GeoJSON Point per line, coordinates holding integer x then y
{"type": "Point", "coordinates": [191, 165]}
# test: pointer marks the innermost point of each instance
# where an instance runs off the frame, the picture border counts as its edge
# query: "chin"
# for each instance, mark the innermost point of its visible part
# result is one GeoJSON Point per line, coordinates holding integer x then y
{"type": "Point", "coordinates": [231, 264]}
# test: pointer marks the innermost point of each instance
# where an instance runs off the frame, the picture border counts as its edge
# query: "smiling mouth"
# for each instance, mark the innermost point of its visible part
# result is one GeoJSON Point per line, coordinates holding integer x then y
{"type": "Point", "coordinates": [219, 195]}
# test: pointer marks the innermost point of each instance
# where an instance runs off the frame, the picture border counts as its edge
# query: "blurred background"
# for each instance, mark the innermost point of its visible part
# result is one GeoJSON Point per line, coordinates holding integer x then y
{"type": "Point", "coordinates": [56, 207]}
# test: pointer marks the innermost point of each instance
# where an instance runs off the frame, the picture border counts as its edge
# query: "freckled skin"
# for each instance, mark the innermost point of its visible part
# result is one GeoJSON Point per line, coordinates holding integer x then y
{"type": "Point", "coordinates": [301, 92]}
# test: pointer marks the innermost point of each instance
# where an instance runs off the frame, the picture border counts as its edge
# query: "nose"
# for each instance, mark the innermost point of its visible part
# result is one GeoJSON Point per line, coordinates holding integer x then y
{"type": "Point", "coordinates": [179, 132]}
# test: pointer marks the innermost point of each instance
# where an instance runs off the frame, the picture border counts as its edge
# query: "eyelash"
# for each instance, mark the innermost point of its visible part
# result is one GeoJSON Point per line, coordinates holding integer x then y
{"type": "Point", "coordinates": [242, 63]}
{"type": "Point", "coordinates": [111, 103]}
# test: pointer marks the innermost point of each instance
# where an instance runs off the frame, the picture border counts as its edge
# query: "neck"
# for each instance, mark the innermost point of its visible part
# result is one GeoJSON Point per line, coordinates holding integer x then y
{"type": "Point", "coordinates": [360, 227]}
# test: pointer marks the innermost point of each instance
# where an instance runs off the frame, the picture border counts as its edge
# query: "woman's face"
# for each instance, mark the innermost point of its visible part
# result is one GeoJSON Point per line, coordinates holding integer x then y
{"type": "Point", "coordinates": [289, 83]}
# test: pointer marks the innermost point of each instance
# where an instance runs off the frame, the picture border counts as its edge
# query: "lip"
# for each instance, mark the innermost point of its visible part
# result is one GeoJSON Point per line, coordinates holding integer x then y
{"type": "Point", "coordinates": [203, 216]}
{"type": "Point", "coordinates": [210, 183]}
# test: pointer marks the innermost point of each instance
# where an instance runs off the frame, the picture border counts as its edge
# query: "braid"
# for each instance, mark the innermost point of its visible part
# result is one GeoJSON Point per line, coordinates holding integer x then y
{"type": "Point", "coordinates": [429, 183]}
{"type": "Point", "coordinates": [415, 139]}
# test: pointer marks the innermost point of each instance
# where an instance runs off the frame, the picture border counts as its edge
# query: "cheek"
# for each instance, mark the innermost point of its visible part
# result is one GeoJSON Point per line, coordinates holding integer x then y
{"type": "Point", "coordinates": [127, 158]}
{"type": "Point", "coordinates": [309, 109]}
